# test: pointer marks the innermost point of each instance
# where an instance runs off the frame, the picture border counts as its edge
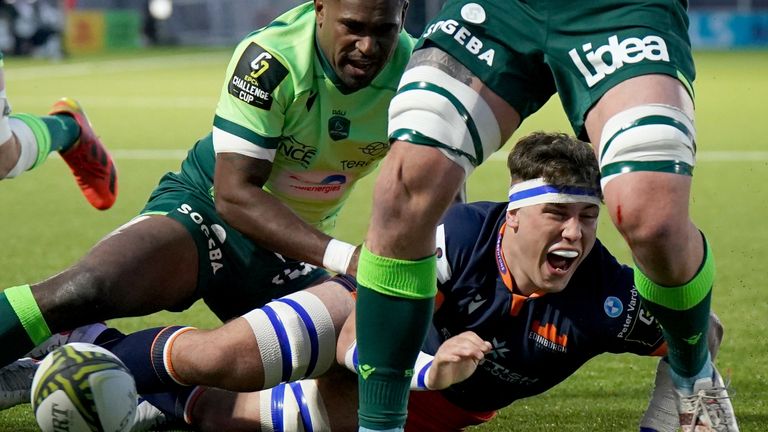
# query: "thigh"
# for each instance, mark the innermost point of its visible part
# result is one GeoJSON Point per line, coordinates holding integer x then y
{"type": "Point", "coordinates": [234, 275]}
{"type": "Point", "coordinates": [596, 46]}
{"type": "Point", "coordinates": [142, 267]}
{"type": "Point", "coordinates": [501, 44]}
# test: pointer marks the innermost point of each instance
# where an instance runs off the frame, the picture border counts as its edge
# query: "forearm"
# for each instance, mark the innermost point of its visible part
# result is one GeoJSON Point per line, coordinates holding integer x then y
{"type": "Point", "coordinates": [271, 224]}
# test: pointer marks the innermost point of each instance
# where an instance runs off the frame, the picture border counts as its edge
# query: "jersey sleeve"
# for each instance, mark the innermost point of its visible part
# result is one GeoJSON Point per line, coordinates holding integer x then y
{"type": "Point", "coordinates": [456, 239]}
{"type": "Point", "coordinates": [251, 110]}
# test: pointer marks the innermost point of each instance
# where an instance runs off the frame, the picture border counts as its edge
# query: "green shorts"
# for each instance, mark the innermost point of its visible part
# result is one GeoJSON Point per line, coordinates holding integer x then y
{"type": "Point", "coordinates": [525, 51]}
{"type": "Point", "coordinates": [234, 275]}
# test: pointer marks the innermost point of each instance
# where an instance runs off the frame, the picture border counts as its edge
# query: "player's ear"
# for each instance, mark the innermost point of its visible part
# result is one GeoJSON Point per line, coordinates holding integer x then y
{"type": "Point", "coordinates": [402, 18]}
{"type": "Point", "coordinates": [513, 221]}
{"type": "Point", "coordinates": [319, 12]}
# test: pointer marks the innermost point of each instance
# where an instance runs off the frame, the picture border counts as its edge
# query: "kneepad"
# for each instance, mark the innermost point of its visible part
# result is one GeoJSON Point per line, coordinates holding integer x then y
{"type": "Point", "coordinates": [296, 406]}
{"type": "Point", "coordinates": [434, 109]}
{"type": "Point", "coordinates": [295, 336]}
{"type": "Point", "coordinates": [653, 137]}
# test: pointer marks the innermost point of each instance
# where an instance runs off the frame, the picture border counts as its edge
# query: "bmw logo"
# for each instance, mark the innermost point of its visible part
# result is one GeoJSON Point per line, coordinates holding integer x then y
{"type": "Point", "coordinates": [613, 307]}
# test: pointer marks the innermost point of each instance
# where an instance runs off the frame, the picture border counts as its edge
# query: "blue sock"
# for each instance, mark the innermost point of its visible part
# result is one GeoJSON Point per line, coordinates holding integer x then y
{"type": "Point", "coordinates": [171, 403]}
{"type": "Point", "coordinates": [142, 353]}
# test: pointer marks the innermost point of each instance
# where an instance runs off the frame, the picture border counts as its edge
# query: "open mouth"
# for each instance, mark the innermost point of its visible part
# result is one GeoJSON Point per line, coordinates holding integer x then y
{"type": "Point", "coordinates": [561, 260]}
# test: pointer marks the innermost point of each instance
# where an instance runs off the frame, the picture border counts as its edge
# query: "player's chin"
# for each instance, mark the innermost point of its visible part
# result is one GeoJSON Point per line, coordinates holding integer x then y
{"type": "Point", "coordinates": [356, 78]}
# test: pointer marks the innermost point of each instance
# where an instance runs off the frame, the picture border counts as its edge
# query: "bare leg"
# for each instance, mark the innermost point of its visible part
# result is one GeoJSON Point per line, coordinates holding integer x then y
{"type": "Point", "coordinates": [650, 209]}
{"type": "Point", "coordinates": [197, 356]}
{"type": "Point", "coordinates": [140, 268]}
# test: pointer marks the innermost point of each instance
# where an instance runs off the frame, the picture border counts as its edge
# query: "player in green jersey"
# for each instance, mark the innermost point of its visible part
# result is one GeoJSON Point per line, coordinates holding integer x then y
{"type": "Point", "coordinates": [624, 73]}
{"type": "Point", "coordinates": [302, 116]}
{"type": "Point", "coordinates": [27, 140]}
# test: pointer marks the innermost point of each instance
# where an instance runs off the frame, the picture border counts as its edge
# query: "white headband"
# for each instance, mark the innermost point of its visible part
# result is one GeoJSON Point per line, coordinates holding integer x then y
{"type": "Point", "coordinates": [537, 191]}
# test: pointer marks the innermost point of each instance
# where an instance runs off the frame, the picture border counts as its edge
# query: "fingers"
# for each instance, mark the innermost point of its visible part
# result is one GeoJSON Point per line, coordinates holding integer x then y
{"type": "Point", "coordinates": [467, 345]}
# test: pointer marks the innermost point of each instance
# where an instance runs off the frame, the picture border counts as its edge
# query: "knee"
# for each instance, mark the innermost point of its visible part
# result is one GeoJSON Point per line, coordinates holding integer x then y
{"type": "Point", "coordinates": [642, 227]}
{"type": "Point", "coordinates": [647, 218]}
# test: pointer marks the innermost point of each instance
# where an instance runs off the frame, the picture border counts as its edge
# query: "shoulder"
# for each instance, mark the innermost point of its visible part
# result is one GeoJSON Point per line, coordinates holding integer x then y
{"type": "Point", "coordinates": [283, 48]}
{"type": "Point", "coordinates": [466, 233]}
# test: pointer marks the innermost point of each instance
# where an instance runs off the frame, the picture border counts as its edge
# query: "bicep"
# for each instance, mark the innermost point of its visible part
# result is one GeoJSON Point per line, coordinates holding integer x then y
{"type": "Point", "coordinates": [236, 172]}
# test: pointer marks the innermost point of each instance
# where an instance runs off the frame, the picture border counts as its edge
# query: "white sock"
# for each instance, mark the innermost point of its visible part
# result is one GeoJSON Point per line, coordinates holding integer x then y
{"type": "Point", "coordinates": [28, 145]}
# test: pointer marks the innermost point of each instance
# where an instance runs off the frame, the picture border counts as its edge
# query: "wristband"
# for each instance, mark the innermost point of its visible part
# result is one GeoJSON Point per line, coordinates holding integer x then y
{"type": "Point", "coordinates": [338, 255]}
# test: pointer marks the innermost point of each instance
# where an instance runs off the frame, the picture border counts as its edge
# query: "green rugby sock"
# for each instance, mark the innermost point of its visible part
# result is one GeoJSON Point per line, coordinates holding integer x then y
{"type": "Point", "coordinates": [683, 313]}
{"type": "Point", "coordinates": [22, 326]}
{"type": "Point", "coordinates": [64, 131]}
{"type": "Point", "coordinates": [394, 309]}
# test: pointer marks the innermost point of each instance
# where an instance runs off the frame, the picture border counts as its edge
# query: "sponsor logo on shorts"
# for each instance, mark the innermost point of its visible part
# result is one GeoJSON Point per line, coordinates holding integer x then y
{"type": "Point", "coordinates": [473, 12]}
{"type": "Point", "coordinates": [296, 151]}
{"type": "Point", "coordinates": [215, 234]}
{"type": "Point", "coordinates": [338, 126]}
{"type": "Point", "coordinates": [292, 271]}
{"type": "Point", "coordinates": [256, 76]}
{"type": "Point", "coordinates": [607, 59]}
{"type": "Point", "coordinates": [463, 37]}
{"type": "Point", "coordinates": [613, 307]}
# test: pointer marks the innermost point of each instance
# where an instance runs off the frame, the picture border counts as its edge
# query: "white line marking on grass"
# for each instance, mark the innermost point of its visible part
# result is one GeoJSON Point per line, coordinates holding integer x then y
{"type": "Point", "coordinates": [704, 156]}
{"type": "Point", "coordinates": [88, 68]}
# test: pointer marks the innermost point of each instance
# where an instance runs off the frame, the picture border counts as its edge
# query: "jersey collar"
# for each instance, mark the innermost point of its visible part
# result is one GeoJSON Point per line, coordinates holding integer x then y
{"type": "Point", "coordinates": [518, 300]}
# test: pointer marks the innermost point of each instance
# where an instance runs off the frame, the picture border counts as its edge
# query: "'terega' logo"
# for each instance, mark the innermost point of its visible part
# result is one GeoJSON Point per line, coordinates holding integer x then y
{"type": "Point", "coordinates": [608, 58]}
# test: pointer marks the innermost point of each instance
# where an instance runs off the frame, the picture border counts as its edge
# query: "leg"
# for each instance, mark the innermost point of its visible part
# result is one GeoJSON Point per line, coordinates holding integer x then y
{"type": "Point", "coordinates": [26, 141]}
{"type": "Point", "coordinates": [396, 271]}
{"type": "Point", "coordinates": [328, 403]}
{"type": "Point", "coordinates": [140, 268]}
{"type": "Point", "coordinates": [649, 206]}
{"type": "Point", "coordinates": [285, 340]}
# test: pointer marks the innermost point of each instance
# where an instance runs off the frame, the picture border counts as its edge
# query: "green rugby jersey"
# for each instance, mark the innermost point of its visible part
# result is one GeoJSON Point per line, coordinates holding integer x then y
{"type": "Point", "coordinates": [283, 102]}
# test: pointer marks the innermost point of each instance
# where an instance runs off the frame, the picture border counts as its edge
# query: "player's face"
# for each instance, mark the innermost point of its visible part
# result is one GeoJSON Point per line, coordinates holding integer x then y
{"type": "Point", "coordinates": [547, 244]}
{"type": "Point", "coordinates": [358, 37]}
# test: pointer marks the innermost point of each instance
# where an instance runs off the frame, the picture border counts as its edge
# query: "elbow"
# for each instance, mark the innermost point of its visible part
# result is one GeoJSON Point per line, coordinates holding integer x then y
{"type": "Point", "coordinates": [227, 207]}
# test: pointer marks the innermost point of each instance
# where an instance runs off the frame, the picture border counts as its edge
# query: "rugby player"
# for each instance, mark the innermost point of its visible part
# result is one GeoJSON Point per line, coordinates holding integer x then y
{"type": "Point", "coordinates": [301, 117]}
{"type": "Point", "coordinates": [526, 296]}
{"type": "Point", "coordinates": [26, 141]}
{"type": "Point", "coordinates": [624, 73]}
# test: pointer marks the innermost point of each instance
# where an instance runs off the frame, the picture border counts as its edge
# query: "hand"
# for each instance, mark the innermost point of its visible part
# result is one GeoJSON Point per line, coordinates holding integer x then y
{"type": "Point", "coordinates": [456, 360]}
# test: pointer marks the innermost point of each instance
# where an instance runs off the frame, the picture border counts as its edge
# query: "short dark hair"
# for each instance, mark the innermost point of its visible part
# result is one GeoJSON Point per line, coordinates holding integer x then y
{"type": "Point", "coordinates": [560, 159]}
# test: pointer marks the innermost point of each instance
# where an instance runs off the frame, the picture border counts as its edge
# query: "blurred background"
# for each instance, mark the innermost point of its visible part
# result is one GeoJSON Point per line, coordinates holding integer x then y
{"type": "Point", "coordinates": [56, 28]}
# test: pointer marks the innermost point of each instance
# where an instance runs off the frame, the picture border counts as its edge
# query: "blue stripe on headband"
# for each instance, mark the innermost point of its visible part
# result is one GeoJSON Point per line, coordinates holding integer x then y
{"type": "Point", "coordinates": [541, 190]}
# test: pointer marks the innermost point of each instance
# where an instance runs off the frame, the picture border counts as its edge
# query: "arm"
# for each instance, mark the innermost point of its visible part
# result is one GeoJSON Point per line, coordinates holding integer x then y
{"type": "Point", "coordinates": [243, 203]}
{"type": "Point", "coordinates": [455, 360]}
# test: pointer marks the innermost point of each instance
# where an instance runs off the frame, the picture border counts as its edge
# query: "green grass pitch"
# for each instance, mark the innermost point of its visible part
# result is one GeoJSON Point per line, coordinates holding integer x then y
{"type": "Point", "coordinates": [150, 107]}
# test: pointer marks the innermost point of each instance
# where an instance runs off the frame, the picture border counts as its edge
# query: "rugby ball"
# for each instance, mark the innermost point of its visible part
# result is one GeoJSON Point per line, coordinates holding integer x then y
{"type": "Point", "coordinates": [81, 387]}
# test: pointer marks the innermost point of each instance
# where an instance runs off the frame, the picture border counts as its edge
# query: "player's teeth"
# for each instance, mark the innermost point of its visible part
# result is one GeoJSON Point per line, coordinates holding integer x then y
{"type": "Point", "coordinates": [566, 253]}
